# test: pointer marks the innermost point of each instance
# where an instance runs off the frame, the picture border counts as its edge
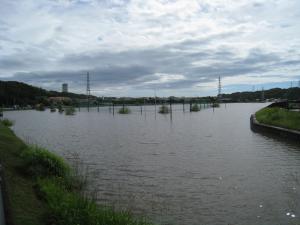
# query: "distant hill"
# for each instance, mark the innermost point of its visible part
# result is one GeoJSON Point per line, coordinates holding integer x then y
{"type": "Point", "coordinates": [274, 93]}
{"type": "Point", "coordinates": [18, 93]}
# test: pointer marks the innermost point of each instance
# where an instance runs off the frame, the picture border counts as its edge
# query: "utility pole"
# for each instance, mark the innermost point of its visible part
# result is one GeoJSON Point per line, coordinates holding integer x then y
{"type": "Point", "coordinates": [88, 90]}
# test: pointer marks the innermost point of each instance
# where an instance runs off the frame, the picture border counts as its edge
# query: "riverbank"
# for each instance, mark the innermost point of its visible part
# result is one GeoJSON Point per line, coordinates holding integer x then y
{"type": "Point", "coordinates": [41, 188]}
{"type": "Point", "coordinates": [277, 121]}
{"type": "Point", "coordinates": [279, 117]}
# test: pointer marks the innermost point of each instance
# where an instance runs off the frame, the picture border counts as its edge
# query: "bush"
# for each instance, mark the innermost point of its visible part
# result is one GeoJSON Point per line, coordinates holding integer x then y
{"type": "Point", "coordinates": [164, 109]}
{"type": "Point", "coordinates": [70, 111]}
{"type": "Point", "coordinates": [215, 105]}
{"type": "Point", "coordinates": [40, 107]}
{"type": "Point", "coordinates": [7, 122]}
{"type": "Point", "coordinates": [41, 163]}
{"type": "Point", "coordinates": [195, 108]}
{"type": "Point", "coordinates": [124, 110]}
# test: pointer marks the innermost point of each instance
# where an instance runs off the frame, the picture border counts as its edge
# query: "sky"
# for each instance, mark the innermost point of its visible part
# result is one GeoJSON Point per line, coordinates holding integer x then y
{"type": "Point", "coordinates": [147, 47]}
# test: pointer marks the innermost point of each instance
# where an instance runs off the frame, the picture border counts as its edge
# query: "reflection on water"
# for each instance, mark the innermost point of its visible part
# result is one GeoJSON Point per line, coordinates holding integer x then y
{"type": "Point", "coordinates": [192, 168]}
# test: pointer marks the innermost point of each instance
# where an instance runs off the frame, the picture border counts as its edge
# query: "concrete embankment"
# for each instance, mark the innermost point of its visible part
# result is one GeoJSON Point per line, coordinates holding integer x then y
{"type": "Point", "coordinates": [280, 131]}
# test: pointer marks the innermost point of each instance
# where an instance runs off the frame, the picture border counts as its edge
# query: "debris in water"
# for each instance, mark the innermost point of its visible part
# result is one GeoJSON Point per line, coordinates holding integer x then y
{"type": "Point", "coordinates": [220, 178]}
{"type": "Point", "coordinates": [293, 215]}
{"type": "Point", "coordinates": [288, 214]}
{"type": "Point", "coordinates": [260, 206]}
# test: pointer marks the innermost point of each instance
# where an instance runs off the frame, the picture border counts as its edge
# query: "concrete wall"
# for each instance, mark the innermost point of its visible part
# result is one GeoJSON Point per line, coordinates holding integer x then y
{"type": "Point", "coordinates": [283, 132]}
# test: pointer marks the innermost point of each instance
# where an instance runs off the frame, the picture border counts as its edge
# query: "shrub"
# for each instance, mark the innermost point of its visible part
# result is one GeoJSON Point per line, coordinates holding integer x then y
{"type": "Point", "coordinates": [215, 105]}
{"type": "Point", "coordinates": [40, 107]}
{"type": "Point", "coordinates": [41, 163]}
{"type": "Point", "coordinates": [195, 108]}
{"type": "Point", "coordinates": [7, 122]}
{"type": "Point", "coordinates": [164, 109]}
{"type": "Point", "coordinates": [70, 111]}
{"type": "Point", "coordinates": [124, 110]}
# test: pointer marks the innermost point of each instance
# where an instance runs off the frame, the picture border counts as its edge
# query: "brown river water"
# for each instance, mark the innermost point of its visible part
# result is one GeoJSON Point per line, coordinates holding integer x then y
{"type": "Point", "coordinates": [205, 167]}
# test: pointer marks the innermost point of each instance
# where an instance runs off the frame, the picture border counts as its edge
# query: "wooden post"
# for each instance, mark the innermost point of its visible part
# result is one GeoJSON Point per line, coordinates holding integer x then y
{"type": "Point", "coordinates": [113, 108]}
{"type": "Point", "coordinates": [170, 101]}
{"type": "Point", "coordinates": [98, 105]}
{"type": "Point", "coordinates": [190, 106]}
{"type": "Point", "coordinates": [183, 105]}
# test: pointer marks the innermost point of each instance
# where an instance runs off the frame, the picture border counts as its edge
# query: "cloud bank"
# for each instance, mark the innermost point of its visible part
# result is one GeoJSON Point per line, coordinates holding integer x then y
{"type": "Point", "coordinates": [136, 47]}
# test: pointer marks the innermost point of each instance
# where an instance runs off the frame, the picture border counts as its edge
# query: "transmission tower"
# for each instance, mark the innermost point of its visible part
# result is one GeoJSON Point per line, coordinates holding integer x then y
{"type": "Point", "coordinates": [88, 90]}
{"type": "Point", "coordinates": [219, 88]}
{"type": "Point", "coordinates": [262, 94]}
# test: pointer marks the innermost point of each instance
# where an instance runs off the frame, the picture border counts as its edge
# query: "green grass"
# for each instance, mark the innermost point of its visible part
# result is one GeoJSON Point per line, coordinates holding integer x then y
{"type": "Point", "coordinates": [69, 208]}
{"type": "Point", "coordinates": [279, 117]}
{"type": "Point", "coordinates": [25, 208]}
{"type": "Point", "coordinates": [7, 122]}
{"type": "Point", "coordinates": [124, 110]}
{"type": "Point", "coordinates": [39, 162]}
{"type": "Point", "coordinates": [42, 189]}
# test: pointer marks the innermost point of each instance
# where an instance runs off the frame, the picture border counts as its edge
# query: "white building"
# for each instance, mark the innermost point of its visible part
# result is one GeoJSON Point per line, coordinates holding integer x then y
{"type": "Point", "coordinates": [65, 87]}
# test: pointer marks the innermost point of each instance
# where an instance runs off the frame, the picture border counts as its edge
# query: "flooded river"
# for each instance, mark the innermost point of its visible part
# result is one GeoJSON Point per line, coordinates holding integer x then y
{"type": "Point", "coordinates": [205, 167]}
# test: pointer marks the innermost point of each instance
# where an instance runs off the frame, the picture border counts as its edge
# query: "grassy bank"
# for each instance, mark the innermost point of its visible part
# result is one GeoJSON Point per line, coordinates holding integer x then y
{"type": "Point", "coordinates": [279, 117]}
{"type": "Point", "coordinates": [43, 189]}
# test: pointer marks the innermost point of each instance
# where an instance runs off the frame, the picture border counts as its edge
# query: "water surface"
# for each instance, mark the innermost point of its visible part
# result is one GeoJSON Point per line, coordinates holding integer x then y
{"type": "Point", "coordinates": [189, 168]}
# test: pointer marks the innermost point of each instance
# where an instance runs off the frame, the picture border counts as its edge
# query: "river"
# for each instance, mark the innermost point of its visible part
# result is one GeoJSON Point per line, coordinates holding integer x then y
{"type": "Point", "coordinates": [204, 167]}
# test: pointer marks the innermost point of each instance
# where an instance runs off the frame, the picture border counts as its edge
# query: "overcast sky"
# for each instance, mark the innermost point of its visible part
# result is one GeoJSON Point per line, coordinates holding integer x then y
{"type": "Point", "coordinates": [134, 47]}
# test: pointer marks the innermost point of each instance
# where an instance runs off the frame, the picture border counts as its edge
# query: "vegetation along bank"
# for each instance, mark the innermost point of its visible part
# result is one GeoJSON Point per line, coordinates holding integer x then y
{"type": "Point", "coordinates": [279, 117]}
{"type": "Point", "coordinates": [41, 188]}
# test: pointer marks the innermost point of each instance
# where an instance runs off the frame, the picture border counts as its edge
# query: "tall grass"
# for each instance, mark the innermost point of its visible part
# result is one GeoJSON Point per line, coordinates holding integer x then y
{"type": "Point", "coordinates": [7, 122]}
{"type": "Point", "coordinates": [39, 162]}
{"type": "Point", "coordinates": [69, 208]}
{"type": "Point", "coordinates": [67, 204]}
{"type": "Point", "coordinates": [279, 117]}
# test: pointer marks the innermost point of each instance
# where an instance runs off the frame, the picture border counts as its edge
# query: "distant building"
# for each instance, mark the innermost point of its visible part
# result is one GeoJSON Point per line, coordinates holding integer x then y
{"type": "Point", "coordinates": [59, 99]}
{"type": "Point", "coordinates": [65, 87]}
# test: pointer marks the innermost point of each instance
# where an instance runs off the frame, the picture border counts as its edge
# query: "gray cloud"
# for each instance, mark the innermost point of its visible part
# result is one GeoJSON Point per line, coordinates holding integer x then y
{"type": "Point", "coordinates": [142, 45]}
{"type": "Point", "coordinates": [137, 68]}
